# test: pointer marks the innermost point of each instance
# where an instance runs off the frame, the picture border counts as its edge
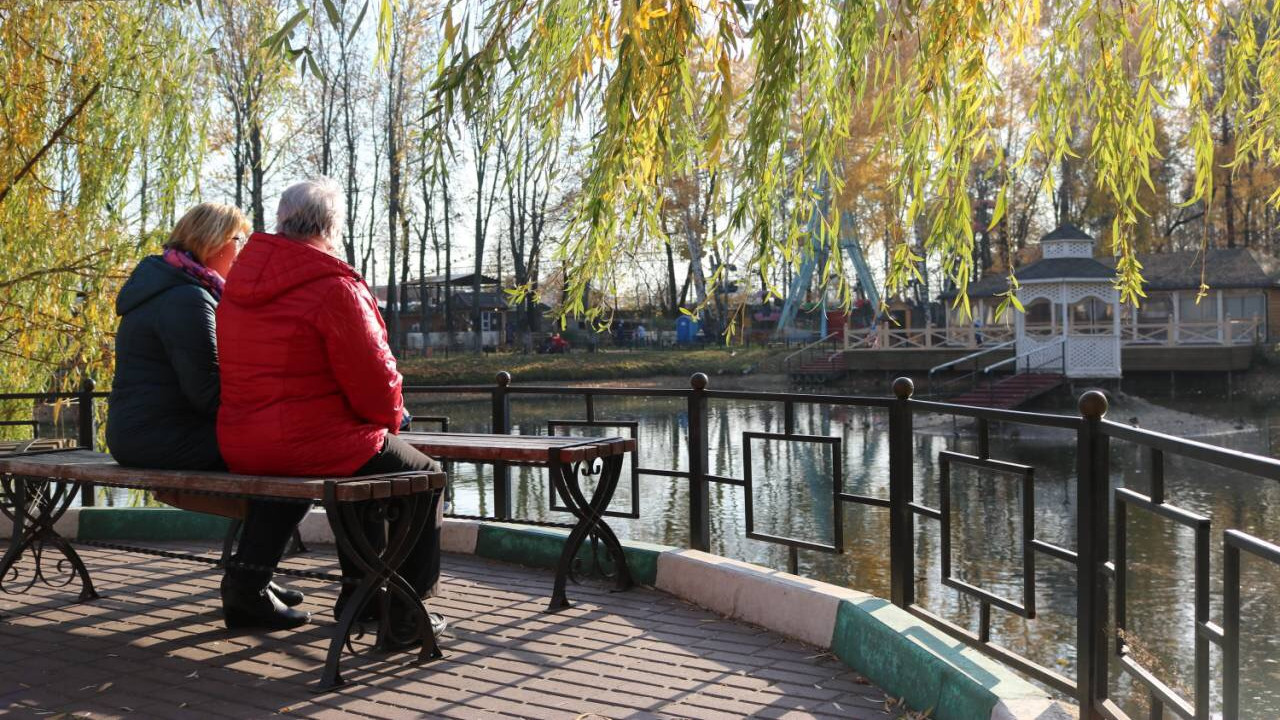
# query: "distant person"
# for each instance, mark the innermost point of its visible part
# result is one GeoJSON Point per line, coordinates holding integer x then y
{"type": "Point", "coordinates": [641, 335]}
{"type": "Point", "coordinates": [557, 345]}
{"type": "Point", "coordinates": [165, 393]}
{"type": "Point", "coordinates": [310, 388]}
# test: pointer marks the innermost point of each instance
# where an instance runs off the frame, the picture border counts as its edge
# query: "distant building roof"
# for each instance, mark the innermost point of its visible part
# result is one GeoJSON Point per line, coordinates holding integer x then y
{"type": "Point", "coordinates": [1224, 268]}
{"type": "Point", "coordinates": [457, 280]}
{"type": "Point", "coordinates": [411, 287]}
{"type": "Point", "coordinates": [488, 301]}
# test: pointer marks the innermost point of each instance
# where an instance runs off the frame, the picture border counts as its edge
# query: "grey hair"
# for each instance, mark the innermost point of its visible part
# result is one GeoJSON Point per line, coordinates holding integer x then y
{"type": "Point", "coordinates": [311, 208]}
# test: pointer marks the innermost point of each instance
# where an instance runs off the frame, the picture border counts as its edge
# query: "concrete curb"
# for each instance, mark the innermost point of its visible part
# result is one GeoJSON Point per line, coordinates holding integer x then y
{"type": "Point", "coordinates": [891, 647]}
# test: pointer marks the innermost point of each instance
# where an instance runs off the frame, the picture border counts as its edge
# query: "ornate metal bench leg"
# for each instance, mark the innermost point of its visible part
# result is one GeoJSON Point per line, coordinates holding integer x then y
{"type": "Point", "coordinates": [409, 518]}
{"type": "Point", "coordinates": [34, 517]}
{"type": "Point", "coordinates": [590, 514]}
{"type": "Point", "coordinates": [380, 568]}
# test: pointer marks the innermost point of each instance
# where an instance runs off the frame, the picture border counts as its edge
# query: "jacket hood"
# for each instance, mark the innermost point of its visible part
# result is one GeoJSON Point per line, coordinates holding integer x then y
{"type": "Point", "coordinates": [271, 265]}
{"type": "Point", "coordinates": [152, 277]}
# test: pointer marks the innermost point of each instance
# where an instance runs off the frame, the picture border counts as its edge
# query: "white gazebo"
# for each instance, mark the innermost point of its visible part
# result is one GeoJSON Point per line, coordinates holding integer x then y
{"type": "Point", "coordinates": [1072, 321]}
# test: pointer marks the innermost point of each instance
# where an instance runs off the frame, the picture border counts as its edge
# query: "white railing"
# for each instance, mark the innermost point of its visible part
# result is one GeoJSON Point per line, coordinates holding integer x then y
{"type": "Point", "coordinates": [1233, 331]}
{"type": "Point", "coordinates": [1230, 332]}
{"type": "Point", "coordinates": [930, 337]}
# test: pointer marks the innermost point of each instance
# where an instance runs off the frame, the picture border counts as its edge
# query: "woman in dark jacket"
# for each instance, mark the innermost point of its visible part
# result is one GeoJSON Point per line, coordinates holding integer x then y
{"type": "Point", "coordinates": [164, 397]}
{"type": "Point", "coordinates": [166, 391]}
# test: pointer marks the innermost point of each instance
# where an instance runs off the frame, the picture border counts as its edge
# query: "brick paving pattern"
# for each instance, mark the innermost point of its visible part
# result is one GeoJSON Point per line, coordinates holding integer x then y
{"type": "Point", "coordinates": [153, 646]}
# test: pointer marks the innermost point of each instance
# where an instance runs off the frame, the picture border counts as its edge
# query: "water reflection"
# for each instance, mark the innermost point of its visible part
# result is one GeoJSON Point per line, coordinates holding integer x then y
{"type": "Point", "coordinates": [793, 497]}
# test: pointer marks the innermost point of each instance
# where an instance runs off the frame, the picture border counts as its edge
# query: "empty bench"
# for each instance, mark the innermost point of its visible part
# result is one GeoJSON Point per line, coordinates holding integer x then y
{"type": "Point", "coordinates": [567, 460]}
{"type": "Point", "coordinates": [37, 488]}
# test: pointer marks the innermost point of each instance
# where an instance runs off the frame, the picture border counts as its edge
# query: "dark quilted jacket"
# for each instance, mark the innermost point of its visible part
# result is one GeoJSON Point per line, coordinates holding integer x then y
{"type": "Point", "coordinates": [164, 397]}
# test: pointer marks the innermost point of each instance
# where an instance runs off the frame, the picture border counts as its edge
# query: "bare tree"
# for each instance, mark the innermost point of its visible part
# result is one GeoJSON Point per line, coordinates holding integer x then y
{"type": "Point", "coordinates": [528, 175]}
{"type": "Point", "coordinates": [483, 134]}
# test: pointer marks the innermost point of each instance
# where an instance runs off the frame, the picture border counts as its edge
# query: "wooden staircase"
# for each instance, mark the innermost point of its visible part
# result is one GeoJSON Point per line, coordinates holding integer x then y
{"type": "Point", "coordinates": [818, 370]}
{"type": "Point", "coordinates": [1010, 392]}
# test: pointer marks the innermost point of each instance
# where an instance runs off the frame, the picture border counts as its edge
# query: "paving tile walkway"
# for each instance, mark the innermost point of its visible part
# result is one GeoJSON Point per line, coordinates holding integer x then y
{"type": "Point", "coordinates": [153, 646]}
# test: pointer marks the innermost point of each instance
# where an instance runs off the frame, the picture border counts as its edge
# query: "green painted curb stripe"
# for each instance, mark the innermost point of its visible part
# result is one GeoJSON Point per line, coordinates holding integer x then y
{"type": "Point", "coordinates": [918, 666]}
{"type": "Point", "coordinates": [149, 524]}
{"type": "Point", "coordinates": [542, 548]}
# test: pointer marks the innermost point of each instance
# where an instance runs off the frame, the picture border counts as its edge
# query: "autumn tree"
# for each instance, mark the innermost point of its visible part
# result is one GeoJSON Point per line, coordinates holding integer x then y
{"type": "Point", "coordinates": [88, 87]}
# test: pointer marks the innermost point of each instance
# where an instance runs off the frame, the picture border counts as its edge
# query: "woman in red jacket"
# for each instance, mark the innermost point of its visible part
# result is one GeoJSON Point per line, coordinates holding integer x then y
{"type": "Point", "coordinates": [309, 384]}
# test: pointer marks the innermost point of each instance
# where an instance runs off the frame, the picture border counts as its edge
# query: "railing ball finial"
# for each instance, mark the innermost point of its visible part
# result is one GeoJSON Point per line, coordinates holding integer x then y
{"type": "Point", "coordinates": [903, 388]}
{"type": "Point", "coordinates": [1093, 404]}
{"type": "Point", "coordinates": [698, 381]}
{"type": "Point", "coordinates": [87, 384]}
{"type": "Point", "coordinates": [503, 378]}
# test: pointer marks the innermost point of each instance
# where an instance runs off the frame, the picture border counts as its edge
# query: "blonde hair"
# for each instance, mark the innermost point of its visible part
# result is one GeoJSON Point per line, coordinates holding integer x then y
{"type": "Point", "coordinates": [206, 228]}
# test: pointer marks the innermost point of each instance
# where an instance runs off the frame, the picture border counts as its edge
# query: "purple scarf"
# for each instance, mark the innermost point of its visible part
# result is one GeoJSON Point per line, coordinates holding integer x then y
{"type": "Point", "coordinates": [187, 263]}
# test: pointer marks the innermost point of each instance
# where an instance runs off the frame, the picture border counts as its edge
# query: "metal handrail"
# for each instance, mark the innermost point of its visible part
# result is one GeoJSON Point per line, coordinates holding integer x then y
{"type": "Point", "coordinates": [987, 370]}
{"type": "Point", "coordinates": [1096, 565]}
{"type": "Point", "coordinates": [787, 360]}
{"type": "Point", "coordinates": [970, 356]}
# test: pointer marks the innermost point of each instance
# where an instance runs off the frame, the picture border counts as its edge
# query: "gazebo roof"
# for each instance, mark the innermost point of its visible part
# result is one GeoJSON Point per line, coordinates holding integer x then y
{"type": "Point", "coordinates": [1224, 268]}
{"type": "Point", "coordinates": [1066, 231]}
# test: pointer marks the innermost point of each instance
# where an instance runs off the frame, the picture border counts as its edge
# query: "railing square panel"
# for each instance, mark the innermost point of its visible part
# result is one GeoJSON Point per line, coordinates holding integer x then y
{"type": "Point", "coordinates": [1235, 544]}
{"type": "Point", "coordinates": [1026, 476]}
{"type": "Point", "coordinates": [1160, 690]}
{"type": "Point", "coordinates": [837, 487]}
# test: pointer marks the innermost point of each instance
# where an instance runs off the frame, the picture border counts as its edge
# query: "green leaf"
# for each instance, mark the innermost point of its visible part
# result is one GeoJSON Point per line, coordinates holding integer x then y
{"type": "Point", "coordinates": [315, 68]}
{"type": "Point", "coordinates": [335, 17]}
{"type": "Point", "coordinates": [283, 33]}
{"type": "Point", "coordinates": [359, 19]}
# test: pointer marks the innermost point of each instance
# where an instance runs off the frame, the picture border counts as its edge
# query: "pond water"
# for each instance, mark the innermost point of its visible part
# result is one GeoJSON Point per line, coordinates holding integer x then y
{"type": "Point", "coordinates": [792, 498]}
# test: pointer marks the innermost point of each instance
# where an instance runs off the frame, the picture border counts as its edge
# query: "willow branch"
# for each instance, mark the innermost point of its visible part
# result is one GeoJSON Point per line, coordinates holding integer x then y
{"type": "Point", "coordinates": [53, 138]}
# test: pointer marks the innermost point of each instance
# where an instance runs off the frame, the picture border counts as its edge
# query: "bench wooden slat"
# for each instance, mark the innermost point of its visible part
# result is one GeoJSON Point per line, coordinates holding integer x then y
{"type": "Point", "coordinates": [100, 469]}
{"type": "Point", "coordinates": [515, 449]}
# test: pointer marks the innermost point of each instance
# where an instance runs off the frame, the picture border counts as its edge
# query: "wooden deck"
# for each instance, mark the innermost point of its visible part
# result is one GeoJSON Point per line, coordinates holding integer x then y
{"type": "Point", "coordinates": [153, 646]}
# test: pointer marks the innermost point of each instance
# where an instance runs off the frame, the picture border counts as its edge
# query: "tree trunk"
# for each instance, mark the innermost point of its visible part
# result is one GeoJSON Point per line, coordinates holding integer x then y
{"type": "Point", "coordinates": [1228, 191]}
{"type": "Point", "coordinates": [256, 173]}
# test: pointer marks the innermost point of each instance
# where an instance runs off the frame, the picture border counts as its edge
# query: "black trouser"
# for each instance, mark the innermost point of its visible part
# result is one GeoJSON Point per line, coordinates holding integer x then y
{"type": "Point", "coordinates": [422, 565]}
{"type": "Point", "coordinates": [264, 536]}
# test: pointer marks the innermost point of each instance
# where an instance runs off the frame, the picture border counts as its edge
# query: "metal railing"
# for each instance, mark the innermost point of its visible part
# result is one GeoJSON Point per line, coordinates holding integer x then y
{"type": "Point", "coordinates": [1100, 646]}
{"type": "Point", "coordinates": [86, 425]}
{"type": "Point", "coordinates": [945, 387]}
{"type": "Point", "coordinates": [1101, 618]}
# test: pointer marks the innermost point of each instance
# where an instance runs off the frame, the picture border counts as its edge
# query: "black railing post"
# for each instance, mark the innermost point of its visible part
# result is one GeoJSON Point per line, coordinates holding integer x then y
{"type": "Point", "coordinates": [88, 433]}
{"type": "Point", "coordinates": [699, 494]}
{"type": "Point", "coordinates": [902, 589]}
{"type": "Point", "coordinates": [1092, 527]}
{"type": "Point", "coordinates": [502, 426]}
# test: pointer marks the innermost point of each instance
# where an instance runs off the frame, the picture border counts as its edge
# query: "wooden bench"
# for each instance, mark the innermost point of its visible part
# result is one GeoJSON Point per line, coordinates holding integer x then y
{"type": "Point", "coordinates": [37, 488]}
{"type": "Point", "coordinates": [8, 447]}
{"type": "Point", "coordinates": [567, 459]}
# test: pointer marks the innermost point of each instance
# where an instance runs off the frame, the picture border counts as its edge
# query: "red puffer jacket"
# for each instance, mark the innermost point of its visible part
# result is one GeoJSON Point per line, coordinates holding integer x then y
{"type": "Point", "coordinates": [309, 385]}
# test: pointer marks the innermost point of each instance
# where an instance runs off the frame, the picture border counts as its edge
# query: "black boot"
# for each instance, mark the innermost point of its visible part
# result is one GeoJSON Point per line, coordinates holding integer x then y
{"type": "Point", "coordinates": [257, 608]}
{"type": "Point", "coordinates": [288, 596]}
{"type": "Point", "coordinates": [404, 628]}
{"type": "Point", "coordinates": [371, 610]}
